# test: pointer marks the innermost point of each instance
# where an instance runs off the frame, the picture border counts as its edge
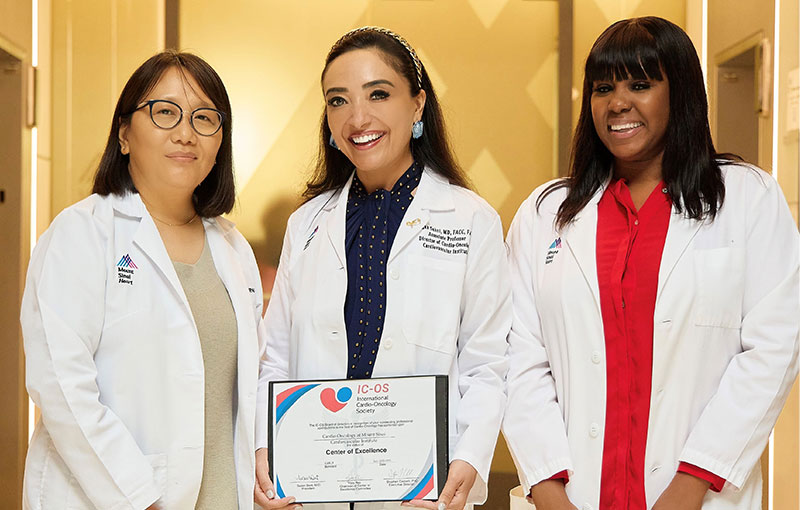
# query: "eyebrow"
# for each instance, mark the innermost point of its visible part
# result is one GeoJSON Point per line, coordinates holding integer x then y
{"type": "Point", "coordinates": [367, 85]}
{"type": "Point", "coordinates": [177, 99]}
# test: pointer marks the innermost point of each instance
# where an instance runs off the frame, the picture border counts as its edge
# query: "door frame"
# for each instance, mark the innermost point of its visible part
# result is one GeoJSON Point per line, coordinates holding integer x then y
{"type": "Point", "coordinates": [13, 478]}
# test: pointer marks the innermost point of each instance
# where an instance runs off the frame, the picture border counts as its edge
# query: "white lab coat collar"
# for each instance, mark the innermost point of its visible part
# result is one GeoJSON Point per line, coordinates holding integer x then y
{"type": "Point", "coordinates": [149, 240]}
{"type": "Point", "coordinates": [581, 238]}
{"type": "Point", "coordinates": [131, 204]}
{"type": "Point", "coordinates": [433, 194]}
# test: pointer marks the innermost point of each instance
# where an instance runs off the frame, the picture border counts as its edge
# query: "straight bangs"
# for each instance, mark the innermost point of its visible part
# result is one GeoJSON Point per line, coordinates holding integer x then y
{"type": "Point", "coordinates": [624, 52]}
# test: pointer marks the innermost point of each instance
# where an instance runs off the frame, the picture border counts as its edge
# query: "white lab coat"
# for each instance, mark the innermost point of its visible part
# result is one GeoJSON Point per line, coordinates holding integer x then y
{"type": "Point", "coordinates": [116, 366]}
{"type": "Point", "coordinates": [446, 313]}
{"type": "Point", "coordinates": [725, 344]}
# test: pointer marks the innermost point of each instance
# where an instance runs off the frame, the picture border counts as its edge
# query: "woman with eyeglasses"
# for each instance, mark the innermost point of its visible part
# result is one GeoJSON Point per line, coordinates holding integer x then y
{"type": "Point", "coordinates": [142, 315]}
{"type": "Point", "coordinates": [393, 266]}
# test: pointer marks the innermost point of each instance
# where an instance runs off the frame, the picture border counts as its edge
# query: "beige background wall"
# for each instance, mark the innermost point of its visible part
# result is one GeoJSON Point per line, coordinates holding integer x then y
{"type": "Point", "coordinates": [787, 431]}
{"type": "Point", "coordinates": [95, 47]}
{"type": "Point", "coordinates": [493, 65]}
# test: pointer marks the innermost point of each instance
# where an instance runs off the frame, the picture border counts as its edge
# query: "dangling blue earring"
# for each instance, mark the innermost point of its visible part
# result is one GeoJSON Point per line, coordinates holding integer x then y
{"type": "Point", "coordinates": [416, 129]}
{"type": "Point", "coordinates": [332, 142]}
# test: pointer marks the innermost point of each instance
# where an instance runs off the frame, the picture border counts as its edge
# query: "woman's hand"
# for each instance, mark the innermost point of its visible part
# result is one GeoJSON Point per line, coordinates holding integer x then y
{"type": "Point", "coordinates": [264, 492]}
{"type": "Point", "coordinates": [550, 495]}
{"type": "Point", "coordinates": [454, 494]}
{"type": "Point", "coordinates": [684, 492]}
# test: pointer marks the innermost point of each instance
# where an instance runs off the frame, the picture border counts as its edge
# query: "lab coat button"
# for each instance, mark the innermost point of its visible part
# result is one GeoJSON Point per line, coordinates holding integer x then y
{"type": "Point", "coordinates": [394, 274]}
{"type": "Point", "coordinates": [387, 343]}
{"type": "Point", "coordinates": [334, 335]}
{"type": "Point", "coordinates": [594, 430]}
{"type": "Point", "coordinates": [596, 357]}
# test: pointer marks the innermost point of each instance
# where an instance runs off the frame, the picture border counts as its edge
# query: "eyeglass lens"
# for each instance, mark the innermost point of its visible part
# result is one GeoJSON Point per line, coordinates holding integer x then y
{"type": "Point", "coordinates": [167, 115]}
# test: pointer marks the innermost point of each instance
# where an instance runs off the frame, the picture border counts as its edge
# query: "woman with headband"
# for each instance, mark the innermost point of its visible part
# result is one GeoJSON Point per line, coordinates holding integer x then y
{"type": "Point", "coordinates": [385, 179]}
{"type": "Point", "coordinates": [656, 298]}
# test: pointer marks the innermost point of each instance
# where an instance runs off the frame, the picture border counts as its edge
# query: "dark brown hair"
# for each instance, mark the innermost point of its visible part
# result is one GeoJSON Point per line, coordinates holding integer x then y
{"type": "Point", "coordinates": [216, 194]}
{"type": "Point", "coordinates": [640, 49]}
{"type": "Point", "coordinates": [433, 149]}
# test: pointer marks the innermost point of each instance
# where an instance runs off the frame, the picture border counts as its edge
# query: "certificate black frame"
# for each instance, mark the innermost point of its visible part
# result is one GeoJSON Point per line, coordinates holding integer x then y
{"type": "Point", "coordinates": [442, 405]}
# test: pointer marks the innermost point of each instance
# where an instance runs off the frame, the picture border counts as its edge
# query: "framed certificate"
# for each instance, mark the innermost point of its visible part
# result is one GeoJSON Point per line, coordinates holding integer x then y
{"type": "Point", "coordinates": [382, 439]}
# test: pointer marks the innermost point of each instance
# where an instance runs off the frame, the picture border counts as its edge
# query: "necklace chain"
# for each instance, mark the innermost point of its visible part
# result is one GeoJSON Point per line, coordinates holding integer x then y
{"type": "Point", "coordinates": [190, 220]}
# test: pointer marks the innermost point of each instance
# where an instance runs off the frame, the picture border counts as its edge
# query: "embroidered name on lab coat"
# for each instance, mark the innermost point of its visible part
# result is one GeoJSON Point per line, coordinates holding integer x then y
{"type": "Point", "coordinates": [446, 240]}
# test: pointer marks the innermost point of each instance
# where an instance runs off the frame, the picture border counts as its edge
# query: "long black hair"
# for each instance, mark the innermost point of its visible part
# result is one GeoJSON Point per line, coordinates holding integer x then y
{"type": "Point", "coordinates": [333, 169]}
{"type": "Point", "coordinates": [640, 49]}
{"type": "Point", "coordinates": [216, 194]}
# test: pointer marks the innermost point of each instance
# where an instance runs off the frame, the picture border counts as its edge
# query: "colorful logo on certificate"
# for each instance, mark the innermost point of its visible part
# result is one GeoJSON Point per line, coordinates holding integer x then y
{"type": "Point", "coordinates": [335, 401]}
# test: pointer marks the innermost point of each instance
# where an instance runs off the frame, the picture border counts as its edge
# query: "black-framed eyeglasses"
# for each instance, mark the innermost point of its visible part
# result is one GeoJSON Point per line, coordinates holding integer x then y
{"type": "Point", "coordinates": [166, 115]}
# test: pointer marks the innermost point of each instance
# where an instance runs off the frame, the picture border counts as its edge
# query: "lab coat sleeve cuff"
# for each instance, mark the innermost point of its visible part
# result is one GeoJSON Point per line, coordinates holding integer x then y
{"type": "Point", "coordinates": [561, 475]}
{"type": "Point", "coordinates": [733, 477]}
{"type": "Point", "coordinates": [716, 482]}
{"type": "Point", "coordinates": [477, 495]}
{"type": "Point", "coordinates": [142, 498]}
{"type": "Point", "coordinates": [545, 472]}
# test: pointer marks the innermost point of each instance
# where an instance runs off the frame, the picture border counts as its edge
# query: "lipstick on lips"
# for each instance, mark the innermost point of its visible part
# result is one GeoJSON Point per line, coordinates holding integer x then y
{"type": "Point", "coordinates": [625, 129]}
{"type": "Point", "coordinates": [366, 140]}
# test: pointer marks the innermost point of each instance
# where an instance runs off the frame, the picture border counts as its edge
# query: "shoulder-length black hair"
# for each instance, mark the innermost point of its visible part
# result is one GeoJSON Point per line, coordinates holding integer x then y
{"type": "Point", "coordinates": [332, 168]}
{"type": "Point", "coordinates": [639, 49]}
{"type": "Point", "coordinates": [216, 194]}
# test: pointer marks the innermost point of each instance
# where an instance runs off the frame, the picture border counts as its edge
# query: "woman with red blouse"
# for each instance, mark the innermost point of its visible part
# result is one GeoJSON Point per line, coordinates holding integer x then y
{"type": "Point", "coordinates": [656, 298]}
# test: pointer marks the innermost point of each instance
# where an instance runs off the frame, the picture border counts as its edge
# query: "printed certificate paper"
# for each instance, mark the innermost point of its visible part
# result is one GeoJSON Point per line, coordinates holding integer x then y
{"type": "Point", "coordinates": [382, 439]}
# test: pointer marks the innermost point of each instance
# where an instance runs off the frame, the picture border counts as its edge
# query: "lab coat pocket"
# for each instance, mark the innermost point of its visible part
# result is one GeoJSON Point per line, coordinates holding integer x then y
{"type": "Point", "coordinates": [718, 288]}
{"type": "Point", "coordinates": [432, 303]}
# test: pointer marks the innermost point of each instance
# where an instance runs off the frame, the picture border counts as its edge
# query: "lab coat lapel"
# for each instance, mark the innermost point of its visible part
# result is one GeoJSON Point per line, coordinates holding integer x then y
{"type": "Point", "coordinates": [680, 233]}
{"type": "Point", "coordinates": [149, 240]}
{"type": "Point", "coordinates": [337, 222]}
{"type": "Point", "coordinates": [581, 238]}
{"type": "Point", "coordinates": [433, 193]}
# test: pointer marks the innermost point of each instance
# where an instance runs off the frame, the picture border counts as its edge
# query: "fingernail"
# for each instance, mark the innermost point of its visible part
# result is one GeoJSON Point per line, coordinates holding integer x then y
{"type": "Point", "coordinates": [270, 494]}
{"type": "Point", "coordinates": [442, 506]}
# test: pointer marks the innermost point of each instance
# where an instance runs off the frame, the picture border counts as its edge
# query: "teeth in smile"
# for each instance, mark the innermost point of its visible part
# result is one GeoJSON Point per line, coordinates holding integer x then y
{"type": "Point", "coordinates": [366, 138]}
{"type": "Point", "coordinates": [623, 127]}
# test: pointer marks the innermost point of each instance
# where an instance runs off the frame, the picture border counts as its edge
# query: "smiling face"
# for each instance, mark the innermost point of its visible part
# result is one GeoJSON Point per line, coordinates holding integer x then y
{"type": "Point", "coordinates": [176, 160]}
{"type": "Point", "coordinates": [370, 112]}
{"type": "Point", "coordinates": [631, 117]}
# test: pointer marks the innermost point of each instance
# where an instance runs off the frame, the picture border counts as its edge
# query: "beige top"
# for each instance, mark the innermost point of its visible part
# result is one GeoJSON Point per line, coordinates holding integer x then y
{"type": "Point", "coordinates": [216, 325]}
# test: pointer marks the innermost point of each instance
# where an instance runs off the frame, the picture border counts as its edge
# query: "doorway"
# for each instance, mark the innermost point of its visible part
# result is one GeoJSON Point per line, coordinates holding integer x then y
{"type": "Point", "coordinates": [739, 101]}
{"type": "Point", "coordinates": [13, 201]}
